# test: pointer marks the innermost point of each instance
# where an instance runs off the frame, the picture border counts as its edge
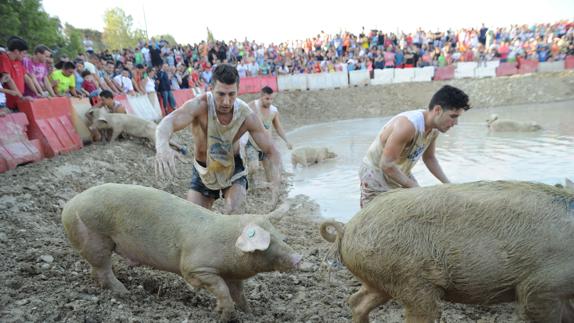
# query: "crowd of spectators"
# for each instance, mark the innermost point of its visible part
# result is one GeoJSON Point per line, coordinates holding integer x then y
{"type": "Point", "coordinates": [158, 66]}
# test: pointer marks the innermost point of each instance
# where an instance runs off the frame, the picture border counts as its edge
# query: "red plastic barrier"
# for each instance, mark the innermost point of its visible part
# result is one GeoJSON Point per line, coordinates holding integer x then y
{"type": "Point", "coordinates": [123, 99]}
{"type": "Point", "coordinates": [51, 123]}
{"type": "Point", "coordinates": [249, 85]}
{"type": "Point", "coordinates": [270, 81]}
{"type": "Point", "coordinates": [15, 148]}
{"type": "Point", "coordinates": [505, 69]}
{"type": "Point", "coordinates": [444, 73]}
{"type": "Point", "coordinates": [182, 96]}
{"type": "Point", "coordinates": [255, 83]}
{"type": "Point", "coordinates": [569, 63]}
{"type": "Point", "coordinates": [528, 67]}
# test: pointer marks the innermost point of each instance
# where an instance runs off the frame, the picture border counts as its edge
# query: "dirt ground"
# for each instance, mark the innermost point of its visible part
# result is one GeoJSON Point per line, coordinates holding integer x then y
{"type": "Point", "coordinates": [44, 279]}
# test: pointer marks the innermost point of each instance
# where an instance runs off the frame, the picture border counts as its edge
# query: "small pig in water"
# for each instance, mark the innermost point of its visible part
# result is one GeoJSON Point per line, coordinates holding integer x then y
{"type": "Point", "coordinates": [472, 243]}
{"type": "Point", "coordinates": [503, 125]}
{"type": "Point", "coordinates": [120, 123]}
{"type": "Point", "coordinates": [307, 156]}
{"type": "Point", "coordinates": [154, 228]}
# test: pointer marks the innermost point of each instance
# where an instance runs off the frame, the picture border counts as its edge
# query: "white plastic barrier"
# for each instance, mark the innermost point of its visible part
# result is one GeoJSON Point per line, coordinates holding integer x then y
{"type": "Point", "coordinates": [465, 69]}
{"type": "Point", "coordinates": [403, 75]}
{"type": "Point", "coordinates": [361, 77]}
{"type": "Point", "coordinates": [327, 80]}
{"type": "Point", "coordinates": [493, 64]}
{"type": "Point", "coordinates": [292, 82]}
{"type": "Point", "coordinates": [485, 72]}
{"type": "Point", "coordinates": [424, 74]}
{"type": "Point", "coordinates": [143, 108]}
{"type": "Point", "coordinates": [384, 76]}
{"type": "Point", "coordinates": [551, 66]}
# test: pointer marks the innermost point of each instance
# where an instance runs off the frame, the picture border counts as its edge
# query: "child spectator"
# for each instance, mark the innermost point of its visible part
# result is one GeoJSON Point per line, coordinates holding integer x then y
{"type": "Point", "coordinates": [90, 86]}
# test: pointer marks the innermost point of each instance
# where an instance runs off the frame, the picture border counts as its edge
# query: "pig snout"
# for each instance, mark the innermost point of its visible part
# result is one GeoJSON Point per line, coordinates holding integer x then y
{"type": "Point", "coordinates": [296, 260]}
{"type": "Point", "coordinates": [289, 262]}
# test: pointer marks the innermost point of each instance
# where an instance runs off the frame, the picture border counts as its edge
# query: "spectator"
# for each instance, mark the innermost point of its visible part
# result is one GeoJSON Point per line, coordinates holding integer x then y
{"type": "Point", "coordinates": [36, 78]}
{"type": "Point", "coordinates": [65, 82]}
{"type": "Point", "coordinates": [89, 86]}
{"type": "Point", "coordinates": [11, 64]}
{"type": "Point", "coordinates": [4, 78]}
{"type": "Point", "coordinates": [164, 88]}
{"type": "Point", "coordinates": [124, 82]}
{"type": "Point", "coordinates": [78, 76]}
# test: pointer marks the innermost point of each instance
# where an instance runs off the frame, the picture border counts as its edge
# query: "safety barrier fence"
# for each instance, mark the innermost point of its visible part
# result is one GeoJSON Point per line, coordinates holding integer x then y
{"type": "Point", "coordinates": [48, 127]}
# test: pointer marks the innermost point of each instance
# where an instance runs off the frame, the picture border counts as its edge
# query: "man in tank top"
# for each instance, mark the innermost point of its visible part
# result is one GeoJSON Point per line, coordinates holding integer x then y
{"type": "Point", "coordinates": [218, 120]}
{"type": "Point", "coordinates": [406, 138]}
{"type": "Point", "coordinates": [269, 116]}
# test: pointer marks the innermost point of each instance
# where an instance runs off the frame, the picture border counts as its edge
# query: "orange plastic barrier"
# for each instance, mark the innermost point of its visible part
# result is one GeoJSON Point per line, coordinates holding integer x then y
{"type": "Point", "coordinates": [182, 96]}
{"type": "Point", "coordinates": [527, 67]}
{"type": "Point", "coordinates": [505, 69]}
{"type": "Point", "coordinates": [51, 123]}
{"type": "Point", "coordinates": [15, 148]}
{"type": "Point", "coordinates": [444, 73]}
{"type": "Point", "coordinates": [255, 83]}
{"type": "Point", "coordinates": [569, 63]}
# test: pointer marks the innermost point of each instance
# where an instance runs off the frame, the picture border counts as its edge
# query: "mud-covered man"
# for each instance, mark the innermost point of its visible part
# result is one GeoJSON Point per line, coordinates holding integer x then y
{"type": "Point", "coordinates": [218, 120]}
{"type": "Point", "coordinates": [405, 139]}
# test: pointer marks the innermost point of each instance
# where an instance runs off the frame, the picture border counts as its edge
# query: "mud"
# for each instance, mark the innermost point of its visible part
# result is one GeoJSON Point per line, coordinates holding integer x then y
{"type": "Point", "coordinates": [43, 279]}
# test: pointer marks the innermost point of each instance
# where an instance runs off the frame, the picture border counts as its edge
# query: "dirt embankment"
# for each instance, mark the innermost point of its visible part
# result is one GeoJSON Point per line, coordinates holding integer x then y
{"type": "Point", "coordinates": [43, 279]}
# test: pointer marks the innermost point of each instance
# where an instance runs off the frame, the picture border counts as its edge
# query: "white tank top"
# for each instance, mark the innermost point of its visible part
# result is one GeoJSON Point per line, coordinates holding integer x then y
{"type": "Point", "coordinates": [411, 154]}
{"type": "Point", "coordinates": [149, 86]}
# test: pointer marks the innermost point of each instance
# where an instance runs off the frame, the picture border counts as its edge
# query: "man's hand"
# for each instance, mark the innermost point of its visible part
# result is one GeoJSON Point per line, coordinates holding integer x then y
{"type": "Point", "coordinates": [165, 163]}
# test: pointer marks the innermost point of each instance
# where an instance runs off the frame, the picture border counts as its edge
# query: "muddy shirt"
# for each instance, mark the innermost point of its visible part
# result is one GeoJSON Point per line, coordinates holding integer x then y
{"type": "Point", "coordinates": [267, 121]}
{"type": "Point", "coordinates": [220, 164]}
{"type": "Point", "coordinates": [412, 152]}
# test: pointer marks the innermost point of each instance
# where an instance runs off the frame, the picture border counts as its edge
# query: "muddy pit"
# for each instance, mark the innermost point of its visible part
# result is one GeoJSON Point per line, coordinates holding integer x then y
{"type": "Point", "coordinates": [44, 279]}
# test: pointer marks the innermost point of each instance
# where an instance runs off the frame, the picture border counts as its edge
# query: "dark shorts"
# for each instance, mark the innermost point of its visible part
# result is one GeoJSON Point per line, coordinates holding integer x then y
{"type": "Point", "coordinates": [198, 186]}
{"type": "Point", "coordinates": [251, 149]}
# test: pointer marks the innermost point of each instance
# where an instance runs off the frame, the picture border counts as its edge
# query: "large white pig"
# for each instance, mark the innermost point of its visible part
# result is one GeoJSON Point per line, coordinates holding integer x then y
{"type": "Point", "coordinates": [154, 228]}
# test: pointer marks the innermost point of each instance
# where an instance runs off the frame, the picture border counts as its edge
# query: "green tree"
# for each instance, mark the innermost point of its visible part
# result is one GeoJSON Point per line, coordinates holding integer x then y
{"type": "Point", "coordinates": [95, 37]}
{"type": "Point", "coordinates": [74, 41]}
{"type": "Point", "coordinates": [118, 32]}
{"type": "Point", "coordinates": [27, 19]}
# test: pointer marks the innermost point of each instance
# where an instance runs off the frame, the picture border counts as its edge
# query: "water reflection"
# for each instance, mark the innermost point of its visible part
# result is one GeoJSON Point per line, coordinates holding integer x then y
{"type": "Point", "coordinates": [468, 152]}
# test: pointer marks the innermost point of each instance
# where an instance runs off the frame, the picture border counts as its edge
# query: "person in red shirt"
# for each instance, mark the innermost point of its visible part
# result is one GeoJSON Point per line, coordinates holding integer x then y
{"type": "Point", "coordinates": [11, 64]}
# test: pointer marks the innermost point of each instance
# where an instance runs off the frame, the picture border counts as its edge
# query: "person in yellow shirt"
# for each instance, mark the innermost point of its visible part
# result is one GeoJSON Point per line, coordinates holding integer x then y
{"type": "Point", "coordinates": [64, 80]}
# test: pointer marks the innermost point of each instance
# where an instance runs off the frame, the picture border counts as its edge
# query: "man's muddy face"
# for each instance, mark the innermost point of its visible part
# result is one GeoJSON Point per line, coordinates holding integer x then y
{"type": "Point", "coordinates": [446, 119]}
{"type": "Point", "coordinates": [266, 100]}
{"type": "Point", "coordinates": [225, 95]}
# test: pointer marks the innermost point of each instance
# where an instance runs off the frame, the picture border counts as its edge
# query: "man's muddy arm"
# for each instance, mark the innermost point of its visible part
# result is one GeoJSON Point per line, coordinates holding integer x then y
{"type": "Point", "coordinates": [263, 140]}
{"type": "Point", "coordinates": [430, 160]}
{"type": "Point", "coordinates": [402, 134]}
{"type": "Point", "coordinates": [279, 127]}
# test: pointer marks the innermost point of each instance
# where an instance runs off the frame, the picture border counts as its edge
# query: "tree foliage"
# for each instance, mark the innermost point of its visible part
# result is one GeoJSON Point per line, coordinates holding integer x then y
{"type": "Point", "coordinates": [27, 19]}
{"type": "Point", "coordinates": [74, 41]}
{"type": "Point", "coordinates": [118, 31]}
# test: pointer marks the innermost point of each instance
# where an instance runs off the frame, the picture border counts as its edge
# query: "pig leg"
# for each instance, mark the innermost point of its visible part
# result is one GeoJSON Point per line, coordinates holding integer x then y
{"type": "Point", "coordinates": [364, 301]}
{"type": "Point", "coordinates": [236, 291]}
{"type": "Point", "coordinates": [97, 250]}
{"type": "Point", "coordinates": [216, 286]}
{"type": "Point", "coordinates": [567, 311]}
{"type": "Point", "coordinates": [539, 295]}
{"type": "Point", "coordinates": [423, 306]}
{"type": "Point", "coordinates": [115, 134]}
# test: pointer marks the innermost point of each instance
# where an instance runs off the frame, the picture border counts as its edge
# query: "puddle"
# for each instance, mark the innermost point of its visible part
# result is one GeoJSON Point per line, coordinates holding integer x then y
{"type": "Point", "coordinates": [468, 152]}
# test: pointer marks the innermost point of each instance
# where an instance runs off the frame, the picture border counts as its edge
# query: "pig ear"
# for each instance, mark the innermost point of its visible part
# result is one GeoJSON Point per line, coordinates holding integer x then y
{"type": "Point", "coordinates": [253, 238]}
